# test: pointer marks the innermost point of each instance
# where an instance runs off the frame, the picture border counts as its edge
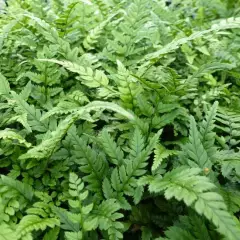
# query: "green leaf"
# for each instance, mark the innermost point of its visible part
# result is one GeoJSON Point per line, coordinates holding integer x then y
{"type": "Point", "coordinates": [4, 86]}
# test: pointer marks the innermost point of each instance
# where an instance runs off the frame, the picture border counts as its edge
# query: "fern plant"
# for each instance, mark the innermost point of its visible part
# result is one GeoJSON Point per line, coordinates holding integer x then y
{"type": "Point", "coordinates": [119, 120]}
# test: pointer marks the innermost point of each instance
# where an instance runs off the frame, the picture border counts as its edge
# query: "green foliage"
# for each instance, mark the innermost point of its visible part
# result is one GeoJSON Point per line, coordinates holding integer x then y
{"type": "Point", "coordinates": [119, 120]}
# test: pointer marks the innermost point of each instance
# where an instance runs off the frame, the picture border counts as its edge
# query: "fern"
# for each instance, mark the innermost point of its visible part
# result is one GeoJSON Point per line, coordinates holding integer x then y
{"type": "Point", "coordinates": [119, 119]}
{"type": "Point", "coordinates": [206, 129]}
{"type": "Point", "coordinates": [223, 24]}
{"type": "Point", "coordinates": [228, 122]}
{"type": "Point", "coordinates": [194, 150]}
{"type": "Point", "coordinates": [123, 179]}
{"type": "Point", "coordinates": [115, 153]}
{"type": "Point", "coordinates": [33, 222]}
{"type": "Point", "coordinates": [107, 218]}
{"type": "Point", "coordinates": [178, 184]}
{"type": "Point", "coordinates": [8, 184]}
{"type": "Point", "coordinates": [7, 233]}
{"type": "Point", "coordinates": [4, 86]}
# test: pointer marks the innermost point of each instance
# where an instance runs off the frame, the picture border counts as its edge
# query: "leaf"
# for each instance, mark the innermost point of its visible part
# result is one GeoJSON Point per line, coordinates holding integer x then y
{"type": "Point", "coordinates": [4, 86]}
{"type": "Point", "coordinates": [16, 138]}
{"type": "Point", "coordinates": [52, 234]}
{"type": "Point", "coordinates": [23, 188]}
{"type": "Point", "coordinates": [160, 154]}
{"type": "Point", "coordinates": [6, 233]}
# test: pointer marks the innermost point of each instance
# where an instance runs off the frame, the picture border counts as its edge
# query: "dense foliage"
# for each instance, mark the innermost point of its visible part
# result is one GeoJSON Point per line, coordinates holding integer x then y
{"type": "Point", "coordinates": [120, 120]}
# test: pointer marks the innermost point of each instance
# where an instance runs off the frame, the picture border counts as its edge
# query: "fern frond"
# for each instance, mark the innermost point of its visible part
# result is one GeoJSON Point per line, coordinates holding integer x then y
{"type": "Point", "coordinates": [52, 234]}
{"type": "Point", "coordinates": [229, 162]}
{"type": "Point", "coordinates": [67, 18]}
{"type": "Point", "coordinates": [73, 235]}
{"type": "Point", "coordinates": [47, 147]}
{"type": "Point", "coordinates": [108, 217]}
{"type": "Point", "coordinates": [160, 154]}
{"type": "Point", "coordinates": [91, 162]}
{"type": "Point", "coordinates": [177, 233]}
{"type": "Point", "coordinates": [185, 184]}
{"type": "Point", "coordinates": [6, 233]}
{"type": "Point", "coordinates": [231, 197]}
{"type": "Point", "coordinates": [33, 114]}
{"type": "Point", "coordinates": [81, 112]}
{"type": "Point", "coordinates": [194, 150]}
{"type": "Point", "coordinates": [95, 33]}
{"type": "Point", "coordinates": [127, 86]}
{"type": "Point", "coordinates": [124, 178]}
{"type": "Point", "coordinates": [15, 137]}
{"type": "Point", "coordinates": [206, 130]}
{"type": "Point", "coordinates": [4, 86]}
{"type": "Point", "coordinates": [30, 223]}
{"type": "Point", "coordinates": [228, 121]}
{"type": "Point", "coordinates": [175, 44]}
{"type": "Point", "coordinates": [66, 222]}
{"type": "Point", "coordinates": [87, 76]}
{"type": "Point", "coordinates": [112, 150]}
{"type": "Point", "coordinates": [17, 186]}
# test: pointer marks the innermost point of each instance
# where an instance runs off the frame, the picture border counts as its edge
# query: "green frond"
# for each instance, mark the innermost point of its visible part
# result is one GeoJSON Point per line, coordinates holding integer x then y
{"type": "Point", "coordinates": [91, 162]}
{"type": "Point", "coordinates": [47, 147]}
{"type": "Point", "coordinates": [175, 44]}
{"type": "Point", "coordinates": [124, 178]}
{"type": "Point", "coordinates": [127, 86]}
{"type": "Point", "coordinates": [16, 138]}
{"type": "Point", "coordinates": [87, 76]}
{"type": "Point", "coordinates": [112, 150]}
{"type": "Point", "coordinates": [6, 233]}
{"type": "Point", "coordinates": [196, 225]}
{"type": "Point", "coordinates": [73, 235]}
{"type": "Point", "coordinates": [182, 183]}
{"type": "Point", "coordinates": [108, 217]}
{"type": "Point", "coordinates": [194, 150]}
{"type": "Point", "coordinates": [231, 197]}
{"type": "Point", "coordinates": [9, 185]}
{"type": "Point", "coordinates": [177, 233]}
{"type": "Point", "coordinates": [228, 121]}
{"type": "Point", "coordinates": [95, 33]}
{"type": "Point", "coordinates": [67, 18]}
{"type": "Point", "coordinates": [66, 222]}
{"type": "Point", "coordinates": [34, 115]}
{"type": "Point", "coordinates": [206, 130]}
{"type": "Point", "coordinates": [185, 184]}
{"type": "Point", "coordinates": [4, 86]}
{"type": "Point", "coordinates": [52, 234]}
{"type": "Point", "coordinates": [212, 206]}
{"type": "Point", "coordinates": [230, 163]}
{"type": "Point", "coordinates": [161, 153]}
{"type": "Point", "coordinates": [31, 223]}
